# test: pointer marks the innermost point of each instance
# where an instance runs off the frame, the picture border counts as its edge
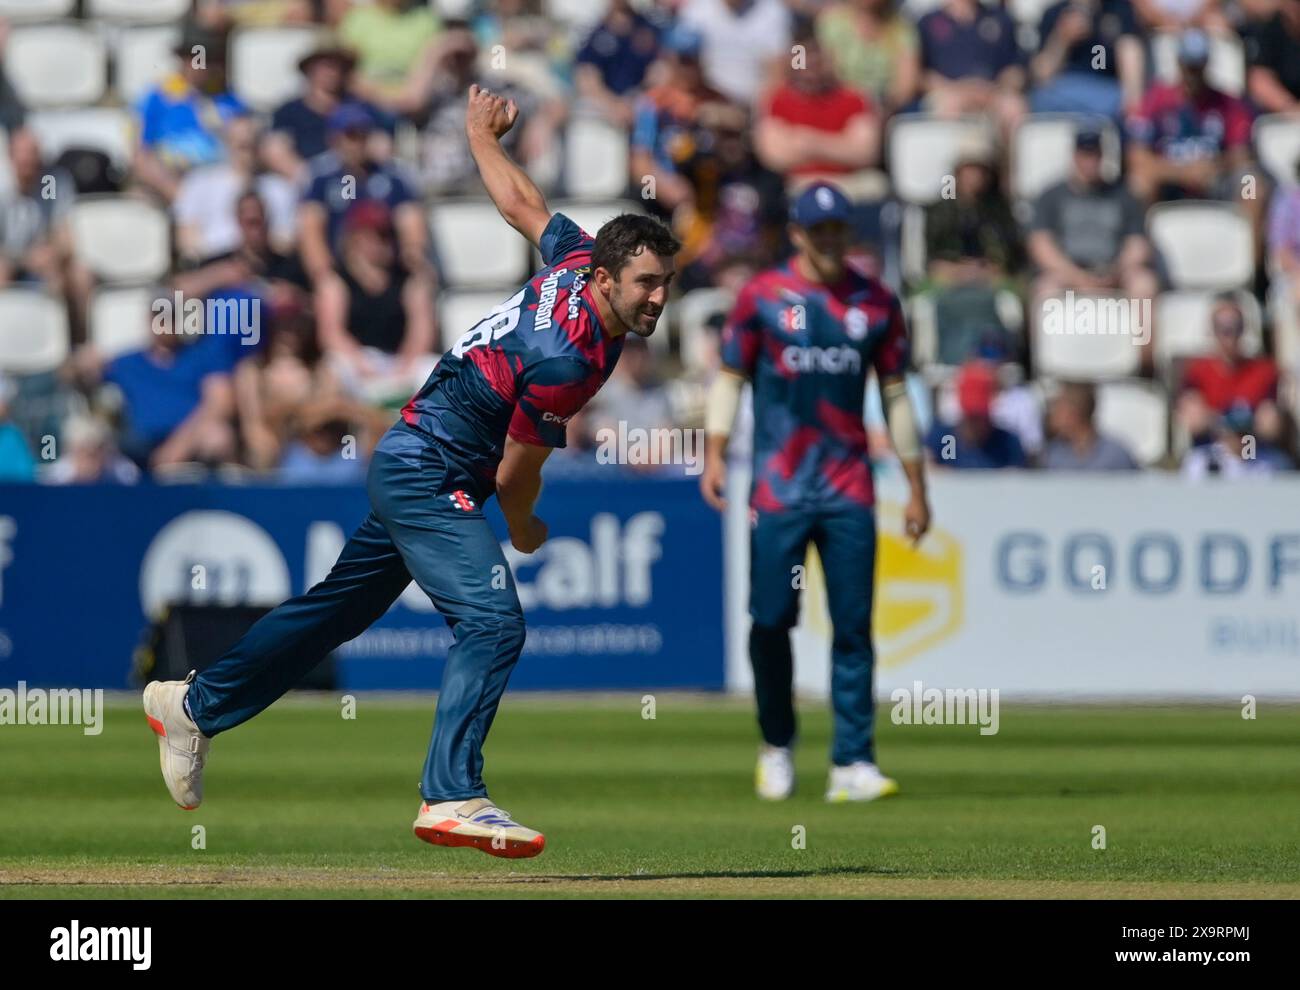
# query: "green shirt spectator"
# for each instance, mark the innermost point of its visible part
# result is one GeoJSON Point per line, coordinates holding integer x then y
{"type": "Point", "coordinates": [389, 36]}
{"type": "Point", "coordinates": [874, 51]}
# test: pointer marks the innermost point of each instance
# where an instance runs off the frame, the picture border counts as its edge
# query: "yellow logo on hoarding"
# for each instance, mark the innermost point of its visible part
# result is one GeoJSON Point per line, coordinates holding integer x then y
{"type": "Point", "coordinates": [918, 591]}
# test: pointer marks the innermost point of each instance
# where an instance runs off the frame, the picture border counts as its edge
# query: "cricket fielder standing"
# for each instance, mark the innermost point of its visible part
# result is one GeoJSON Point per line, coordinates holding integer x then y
{"type": "Point", "coordinates": [483, 424]}
{"type": "Point", "coordinates": [806, 333]}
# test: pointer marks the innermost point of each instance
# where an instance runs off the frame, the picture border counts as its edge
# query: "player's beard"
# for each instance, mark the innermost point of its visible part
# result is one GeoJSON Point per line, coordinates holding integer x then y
{"type": "Point", "coordinates": [630, 316]}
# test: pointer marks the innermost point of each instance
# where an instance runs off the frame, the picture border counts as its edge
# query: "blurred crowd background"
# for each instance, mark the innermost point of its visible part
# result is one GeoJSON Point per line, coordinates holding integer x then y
{"type": "Point", "coordinates": [298, 171]}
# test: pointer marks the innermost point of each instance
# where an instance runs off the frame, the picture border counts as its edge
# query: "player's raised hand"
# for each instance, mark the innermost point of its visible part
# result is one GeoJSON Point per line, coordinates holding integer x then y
{"type": "Point", "coordinates": [530, 536]}
{"type": "Point", "coordinates": [488, 113]}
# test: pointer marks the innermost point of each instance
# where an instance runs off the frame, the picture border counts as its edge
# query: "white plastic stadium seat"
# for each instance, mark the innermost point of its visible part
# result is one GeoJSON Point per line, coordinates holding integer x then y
{"type": "Point", "coordinates": [1082, 353]}
{"type": "Point", "coordinates": [120, 319]}
{"type": "Point", "coordinates": [595, 159]}
{"type": "Point", "coordinates": [143, 55]}
{"type": "Point", "coordinates": [105, 129]}
{"type": "Point", "coordinates": [1277, 141]}
{"type": "Point", "coordinates": [33, 331]}
{"type": "Point", "coordinates": [923, 150]}
{"type": "Point", "coordinates": [1042, 152]}
{"type": "Point", "coordinates": [1029, 11]}
{"type": "Point", "coordinates": [1183, 324]}
{"type": "Point", "coordinates": [1207, 245]}
{"type": "Point", "coordinates": [1227, 68]}
{"type": "Point", "coordinates": [459, 311]}
{"type": "Point", "coordinates": [17, 11]}
{"type": "Point", "coordinates": [919, 8]}
{"type": "Point", "coordinates": [575, 13]}
{"type": "Point", "coordinates": [53, 65]}
{"type": "Point", "coordinates": [476, 248]}
{"type": "Point", "coordinates": [122, 239]}
{"type": "Point", "coordinates": [138, 11]}
{"type": "Point", "coordinates": [693, 312]}
{"type": "Point", "coordinates": [1136, 414]}
{"type": "Point", "coordinates": [592, 216]}
{"type": "Point", "coordinates": [264, 64]}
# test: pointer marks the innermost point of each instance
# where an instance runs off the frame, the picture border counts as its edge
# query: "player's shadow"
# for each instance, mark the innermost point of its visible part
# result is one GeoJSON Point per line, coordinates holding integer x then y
{"type": "Point", "coordinates": [830, 871]}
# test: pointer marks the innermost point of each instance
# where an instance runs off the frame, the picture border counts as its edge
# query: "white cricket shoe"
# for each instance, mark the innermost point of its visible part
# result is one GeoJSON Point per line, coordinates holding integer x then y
{"type": "Point", "coordinates": [478, 823]}
{"type": "Point", "coordinates": [182, 748]}
{"type": "Point", "coordinates": [774, 775]}
{"type": "Point", "coordinates": [859, 781]}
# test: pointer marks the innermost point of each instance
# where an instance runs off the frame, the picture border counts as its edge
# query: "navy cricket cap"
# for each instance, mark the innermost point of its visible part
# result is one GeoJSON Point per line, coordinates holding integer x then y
{"type": "Point", "coordinates": [820, 201]}
{"type": "Point", "coordinates": [350, 117]}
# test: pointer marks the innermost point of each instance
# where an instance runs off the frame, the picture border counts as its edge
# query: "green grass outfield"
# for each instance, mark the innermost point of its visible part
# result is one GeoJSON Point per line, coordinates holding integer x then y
{"type": "Point", "coordinates": [1196, 802]}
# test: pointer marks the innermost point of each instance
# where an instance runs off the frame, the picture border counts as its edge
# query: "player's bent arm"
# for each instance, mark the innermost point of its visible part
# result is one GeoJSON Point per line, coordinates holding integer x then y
{"type": "Point", "coordinates": [519, 482]}
{"type": "Point", "coordinates": [517, 198]}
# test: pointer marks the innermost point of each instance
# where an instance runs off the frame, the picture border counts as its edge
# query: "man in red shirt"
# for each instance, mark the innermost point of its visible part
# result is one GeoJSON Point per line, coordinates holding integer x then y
{"type": "Point", "coordinates": [814, 125]}
{"type": "Point", "coordinates": [1214, 383]}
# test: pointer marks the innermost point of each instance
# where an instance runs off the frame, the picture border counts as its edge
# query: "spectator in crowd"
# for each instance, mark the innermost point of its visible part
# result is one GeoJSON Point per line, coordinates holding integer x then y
{"type": "Point", "coordinates": [300, 128]}
{"type": "Point", "coordinates": [205, 204]}
{"type": "Point", "coordinates": [745, 44]}
{"type": "Point", "coordinates": [973, 248]}
{"type": "Point", "coordinates": [89, 456]}
{"type": "Point", "coordinates": [254, 266]}
{"type": "Point", "coordinates": [12, 112]}
{"type": "Point", "coordinates": [1088, 234]}
{"type": "Point", "coordinates": [1214, 383]}
{"type": "Point", "coordinates": [323, 449]}
{"type": "Point", "coordinates": [390, 38]}
{"type": "Point", "coordinates": [1076, 445]}
{"type": "Point", "coordinates": [183, 118]}
{"type": "Point", "coordinates": [16, 461]}
{"type": "Point", "coordinates": [970, 63]}
{"type": "Point", "coordinates": [222, 15]}
{"type": "Point", "coordinates": [437, 91]}
{"type": "Point", "coordinates": [974, 441]}
{"type": "Point", "coordinates": [1177, 15]}
{"type": "Point", "coordinates": [35, 242]}
{"type": "Point", "coordinates": [177, 401]}
{"type": "Point", "coordinates": [1235, 451]}
{"type": "Point", "coordinates": [346, 176]}
{"type": "Point", "coordinates": [874, 49]}
{"type": "Point", "coordinates": [613, 61]}
{"type": "Point", "coordinates": [635, 394]}
{"type": "Point", "coordinates": [1284, 243]}
{"type": "Point", "coordinates": [1090, 59]}
{"type": "Point", "coordinates": [1188, 140]}
{"type": "Point", "coordinates": [375, 317]}
{"type": "Point", "coordinates": [812, 126]}
{"type": "Point", "coordinates": [1273, 79]}
{"type": "Point", "coordinates": [674, 120]}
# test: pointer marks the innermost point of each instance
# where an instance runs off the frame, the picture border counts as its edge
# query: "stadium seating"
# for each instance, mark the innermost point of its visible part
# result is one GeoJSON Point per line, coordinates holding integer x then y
{"type": "Point", "coordinates": [923, 331]}
{"type": "Point", "coordinates": [138, 11]}
{"type": "Point", "coordinates": [1043, 150]}
{"type": "Point", "coordinates": [591, 216]}
{"type": "Point", "coordinates": [57, 65]}
{"type": "Point", "coordinates": [1086, 355]}
{"type": "Point", "coordinates": [1029, 11]}
{"type": "Point", "coordinates": [1227, 68]}
{"type": "Point", "coordinates": [122, 239]}
{"type": "Point", "coordinates": [576, 13]}
{"type": "Point", "coordinates": [1206, 245]}
{"type": "Point", "coordinates": [459, 311]}
{"type": "Point", "coordinates": [264, 64]}
{"type": "Point", "coordinates": [476, 248]}
{"type": "Point", "coordinates": [692, 314]}
{"type": "Point", "coordinates": [1277, 143]}
{"type": "Point", "coordinates": [141, 57]}
{"type": "Point", "coordinates": [105, 129]}
{"type": "Point", "coordinates": [923, 150]}
{"type": "Point", "coordinates": [595, 159]}
{"type": "Point", "coordinates": [1136, 413]}
{"type": "Point", "coordinates": [120, 319]}
{"type": "Point", "coordinates": [18, 11]}
{"type": "Point", "coordinates": [33, 331]}
{"type": "Point", "coordinates": [1183, 325]}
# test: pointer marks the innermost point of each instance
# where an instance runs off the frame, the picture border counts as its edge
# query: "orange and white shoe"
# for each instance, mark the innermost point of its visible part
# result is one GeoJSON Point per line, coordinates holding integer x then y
{"type": "Point", "coordinates": [478, 823]}
{"type": "Point", "coordinates": [182, 748]}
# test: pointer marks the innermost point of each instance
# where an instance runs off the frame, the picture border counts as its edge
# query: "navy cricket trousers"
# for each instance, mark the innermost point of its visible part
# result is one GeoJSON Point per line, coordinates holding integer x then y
{"type": "Point", "coordinates": [846, 543]}
{"type": "Point", "coordinates": [419, 529]}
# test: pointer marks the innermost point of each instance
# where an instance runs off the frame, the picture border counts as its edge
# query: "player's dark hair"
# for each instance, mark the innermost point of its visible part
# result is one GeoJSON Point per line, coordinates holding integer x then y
{"type": "Point", "coordinates": [622, 238]}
